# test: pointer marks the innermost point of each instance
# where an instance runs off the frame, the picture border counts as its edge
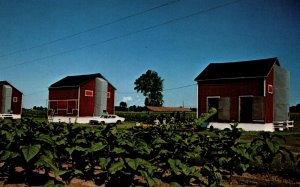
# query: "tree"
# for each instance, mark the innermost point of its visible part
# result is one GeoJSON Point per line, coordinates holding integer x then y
{"type": "Point", "coordinates": [150, 85]}
{"type": "Point", "coordinates": [123, 104]}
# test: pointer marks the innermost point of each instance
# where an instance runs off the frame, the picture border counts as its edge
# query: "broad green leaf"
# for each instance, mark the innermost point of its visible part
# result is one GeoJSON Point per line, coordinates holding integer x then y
{"type": "Point", "coordinates": [114, 131]}
{"type": "Point", "coordinates": [78, 172]}
{"type": "Point", "coordinates": [61, 142]}
{"type": "Point", "coordinates": [223, 160]}
{"type": "Point", "coordinates": [50, 183]}
{"type": "Point", "coordinates": [81, 149]}
{"type": "Point", "coordinates": [118, 150]}
{"type": "Point", "coordinates": [158, 140]}
{"type": "Point", "coordinates": [115, 167]}
{"type": "Point", "coordinates": [132, 163]}
{"type": "Point", "coordinates": [5, 155]}
{"type": "Point", "coordinates": [104, 162]}
{"type": "Point", "coordinates": [81, 140]}
{"type": "Point", "coordinates": [164, 152]}
{"type": "Point", "coordinates": [244, 167]}
{"type": "Point", "coordinates": [45, 138]}
{"type": "Point", "coordinates": [150, 180]}
{"type": "Point", "coordinates": [273, 146]}
{"type": "Point", "coordinates": [172, 164]}
{"type": "Point", "coordinates": [96, 147]}
{"type": "Point", "coordinates": [176, 137]}
{"type": "Point", "coordinates": [30, 151]}
{"type": "Point", "coordinates": [46, 162]}
{"type": "Point", "coordinates": [60, 172]}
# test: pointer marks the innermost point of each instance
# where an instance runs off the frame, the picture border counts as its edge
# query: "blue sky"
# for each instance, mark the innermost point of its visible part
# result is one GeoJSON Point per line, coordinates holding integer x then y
{"type": "Point", "coordinates": [42, 41]}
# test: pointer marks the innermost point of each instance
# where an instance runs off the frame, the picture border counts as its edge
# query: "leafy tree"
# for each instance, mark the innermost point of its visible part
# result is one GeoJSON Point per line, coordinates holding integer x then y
{"type": "Point", "coordinates": [150, 85]}
{"type": "Point", "coordinates": [295, 108]}
{"type": "Point", "coordinates": [123, 104]}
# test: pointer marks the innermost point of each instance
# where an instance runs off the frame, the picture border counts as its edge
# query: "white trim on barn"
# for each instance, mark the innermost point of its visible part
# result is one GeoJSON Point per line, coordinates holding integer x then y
{"type": "Point", "coordinates": [12, 116]}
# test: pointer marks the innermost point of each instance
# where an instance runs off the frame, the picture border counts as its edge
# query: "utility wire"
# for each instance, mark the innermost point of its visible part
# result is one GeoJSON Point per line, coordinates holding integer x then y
{"type": "Point", "coordinates": [176, 88]}
{"type": "Point", "coordinates": [124, 35]}
{"type": "Point", "coordinates": [168, 89]}
{"type": "Point", "coordinates": [90, 29]}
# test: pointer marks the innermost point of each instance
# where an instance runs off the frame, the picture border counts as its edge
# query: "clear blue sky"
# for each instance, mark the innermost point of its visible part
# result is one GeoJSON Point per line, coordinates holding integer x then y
{"type": "Point", "coordinates": [42, 41]}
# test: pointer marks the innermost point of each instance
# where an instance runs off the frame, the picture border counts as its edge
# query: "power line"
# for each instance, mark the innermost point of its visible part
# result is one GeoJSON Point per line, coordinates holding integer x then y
{"type": "Point", "coordinates": [168, 89]}
{"type": "Point", "coordinates": [90, 29]}
{"type": "Point", "coordinates": [124, 35]}
{"type": "Point", "coordinates": [180, 87]}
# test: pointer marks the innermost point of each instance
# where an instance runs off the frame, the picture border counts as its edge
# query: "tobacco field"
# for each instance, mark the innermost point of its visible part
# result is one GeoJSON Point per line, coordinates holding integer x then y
{"type": "Point", "coordinates": [55, 153]}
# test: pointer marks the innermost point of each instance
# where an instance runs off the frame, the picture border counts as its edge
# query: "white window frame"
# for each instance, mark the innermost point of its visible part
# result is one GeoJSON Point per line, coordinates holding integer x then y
{"type": "Point", "coordinates": [89, 95]}
{"type": "Point", "coordinates": [270, 89]}
{"type": "Point", "coordinates": [15, 99]}
{"type": "Point", "coordinates": [211, 97]}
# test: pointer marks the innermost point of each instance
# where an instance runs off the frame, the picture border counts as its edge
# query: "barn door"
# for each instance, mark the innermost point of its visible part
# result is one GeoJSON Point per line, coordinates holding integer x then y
{"type": "Point", "coordinates": [213, 102]}
{"type": "Point", "coordinates": [246, 104]}
{"type": "Point", "coordinates": [224, 109]}
{"type": "Point", "coordinates": [258, 110]}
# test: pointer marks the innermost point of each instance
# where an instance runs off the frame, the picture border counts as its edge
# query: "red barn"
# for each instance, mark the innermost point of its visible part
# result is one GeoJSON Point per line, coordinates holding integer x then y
{"type": "Point", "coordinates": [253, 93]}
{"type": "Point", "coordinates": [78, 98]}
{"type": "Point", "coordinates": [10, 101]}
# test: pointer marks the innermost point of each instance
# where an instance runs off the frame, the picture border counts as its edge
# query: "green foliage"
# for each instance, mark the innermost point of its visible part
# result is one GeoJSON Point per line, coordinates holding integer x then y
{"type": "Point", "coordinates": [150, 85]}
{"type": "Point", "coordinates": [111, 156]}
{"type": "Point", "coordinates": [266, 147]}
{"type": "Point", "coordinates": [205, 116]}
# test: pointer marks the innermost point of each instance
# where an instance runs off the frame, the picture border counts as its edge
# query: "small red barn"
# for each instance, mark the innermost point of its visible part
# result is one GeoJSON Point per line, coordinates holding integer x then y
{"type": "Point", "coordinates": [78, 98]}
{"type": "Point", "coordinates": [254, 93]}
{"type": "Point", "coordinates": [10, 101]}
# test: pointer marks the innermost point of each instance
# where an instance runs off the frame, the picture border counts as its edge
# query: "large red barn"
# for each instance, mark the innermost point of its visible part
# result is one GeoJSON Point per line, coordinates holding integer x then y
{"type": "Point", "coordinates": [78, 98]}
{"type": "Point", "coordinates": [10, 101]}
{"type": "Point", "coordinates": [253, 93]}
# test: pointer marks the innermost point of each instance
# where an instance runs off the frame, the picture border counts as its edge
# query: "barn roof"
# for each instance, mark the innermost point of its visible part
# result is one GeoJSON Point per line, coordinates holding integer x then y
{"type": "Point", "coordinates": [77, 80]}
{"type": "Point", "coordinates": [3, 83]}
{"type": "Point", "coordinates": [234, 70]}
{"type": "Point", "coordinates": [167, 109]}
{"type": "Point", "coordinates": [7, 83]}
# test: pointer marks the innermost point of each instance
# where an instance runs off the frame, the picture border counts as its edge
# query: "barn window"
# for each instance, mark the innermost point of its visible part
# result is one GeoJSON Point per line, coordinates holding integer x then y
{"type": "Point", "coordinates": [15, 99]}
{"type": "Point", "coordinates": [89, 93]}
{"type": "Point", "coordinates": [270, 89]}
{"type": "Point", "coordinates": [108, 94]}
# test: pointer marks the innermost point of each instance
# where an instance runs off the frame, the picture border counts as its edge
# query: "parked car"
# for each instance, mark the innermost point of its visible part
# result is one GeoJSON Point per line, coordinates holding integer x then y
{"type": "Point", "coordinates": [107, 119]}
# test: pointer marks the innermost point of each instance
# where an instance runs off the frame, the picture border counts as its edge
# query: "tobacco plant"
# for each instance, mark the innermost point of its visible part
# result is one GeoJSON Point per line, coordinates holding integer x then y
{"type": "Point", "coordinates": [139, 156]}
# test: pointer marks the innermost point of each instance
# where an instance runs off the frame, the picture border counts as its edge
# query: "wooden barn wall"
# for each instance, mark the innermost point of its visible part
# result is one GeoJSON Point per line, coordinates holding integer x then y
{"type": "Point", "coordinates": [229, 88]}
{"type": "Point", "coordinates": [87, 103]}
{"type": "Point", "coordinates": [63, 93]}
{"type": "Point", "coordinates": [111, 100]}
{"type": "Point", "coordinates": [16, 106]}
{"type": "Point", "coordinates": [269, 105]}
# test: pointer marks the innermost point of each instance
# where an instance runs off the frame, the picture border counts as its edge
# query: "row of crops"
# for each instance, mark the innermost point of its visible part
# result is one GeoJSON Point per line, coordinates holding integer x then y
{"type": "Point", "coordinates": [173, 154]}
